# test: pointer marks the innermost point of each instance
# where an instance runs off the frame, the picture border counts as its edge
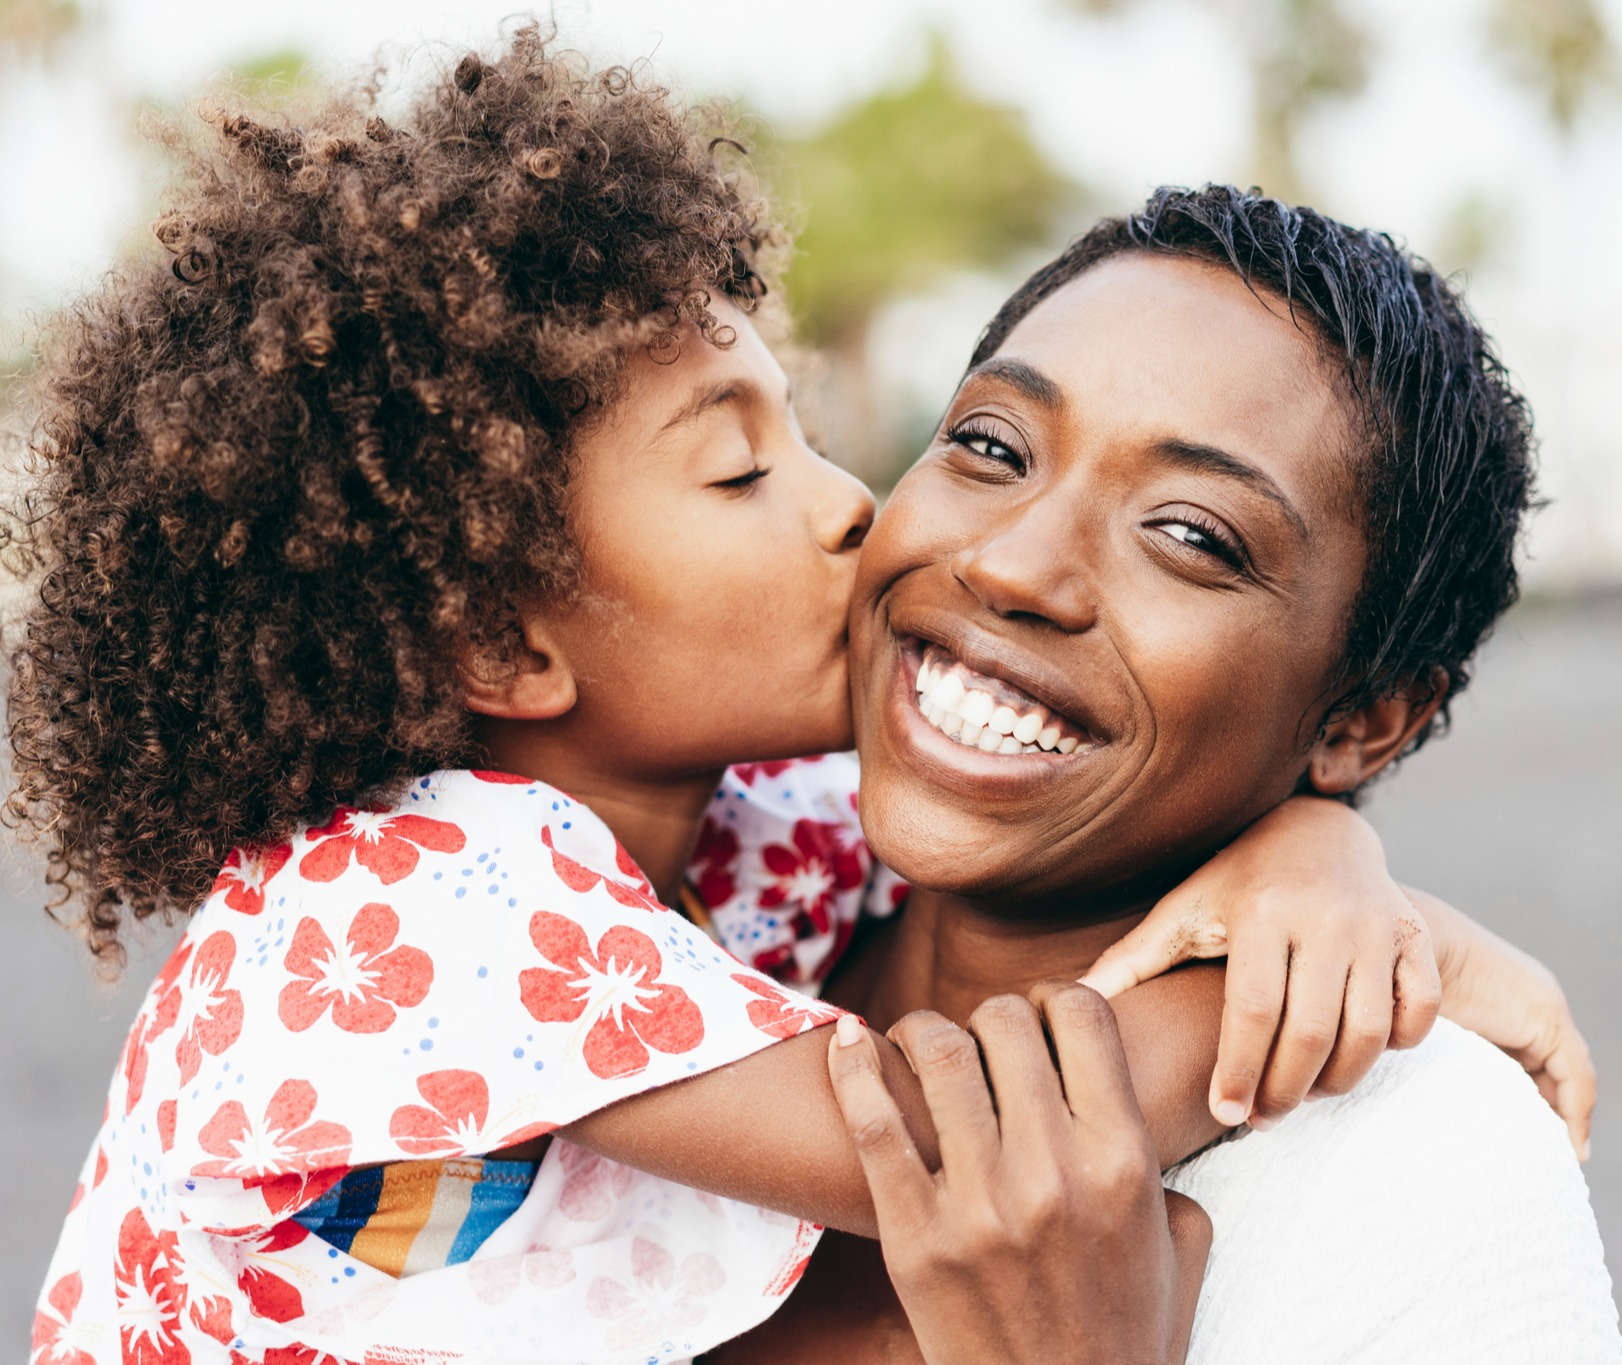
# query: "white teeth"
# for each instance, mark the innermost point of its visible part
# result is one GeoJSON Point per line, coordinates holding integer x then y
{"type": "Point", "coordinates": [978, 720]}
{"type": "Point", "coordinates": [947, 691]}
{"type": "Point", "coordinates": [977, 708]}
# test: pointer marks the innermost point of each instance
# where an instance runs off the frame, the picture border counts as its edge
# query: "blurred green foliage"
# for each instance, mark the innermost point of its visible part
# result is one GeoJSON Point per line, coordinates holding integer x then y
{"type": "Point", "coordinates": [33, 28]}
{"type": "Point", "coordinates": [905, 186]}
{"type": "Point", "coordinates": [1561, 49]}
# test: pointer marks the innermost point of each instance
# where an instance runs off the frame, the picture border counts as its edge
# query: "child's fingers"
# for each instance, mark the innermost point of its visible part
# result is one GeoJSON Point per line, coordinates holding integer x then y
{"type": "Point", "coordinates": [947, 1064]}
{"type": "Point", "coordinates": [1314, 1001]}
{"type": "Point", "coordinates": [1418, 984]}
{"type": "Point", "coordinates": [901, 1185]}
{"type": "Point", "coordinates": [1576, 1087]}
{"type": "Point", "coordinates": [1167, 936]}
{"type": "Point", "coordinates": [1253, 1003]}
{"type": "Point", "coordinates": [1365, 1025]}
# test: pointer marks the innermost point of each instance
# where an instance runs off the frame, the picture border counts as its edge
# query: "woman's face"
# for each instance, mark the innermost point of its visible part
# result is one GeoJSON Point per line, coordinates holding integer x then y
{"type": "Point", "coordinates": [1137, 536]}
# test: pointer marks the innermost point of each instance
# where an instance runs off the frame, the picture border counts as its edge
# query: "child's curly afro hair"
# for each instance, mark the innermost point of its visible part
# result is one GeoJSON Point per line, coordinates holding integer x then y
{"type": "Point", "coordinates": [290, 476]}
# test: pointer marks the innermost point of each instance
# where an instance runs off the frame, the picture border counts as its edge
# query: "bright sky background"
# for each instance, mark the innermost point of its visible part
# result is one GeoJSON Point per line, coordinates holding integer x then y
{"type": "Point", "coordinates": [1160, 96]}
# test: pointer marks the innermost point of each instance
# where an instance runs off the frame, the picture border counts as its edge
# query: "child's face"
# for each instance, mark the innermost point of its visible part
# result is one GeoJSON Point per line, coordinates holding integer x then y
{"type": "Point", "coordinates": [718, 553]}
{"type": "Point", "coordinates": [1140, 513]}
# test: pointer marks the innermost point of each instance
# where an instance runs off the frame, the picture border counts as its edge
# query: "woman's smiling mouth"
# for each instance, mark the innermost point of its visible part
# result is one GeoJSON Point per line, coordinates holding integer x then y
{"type": "Point", "coordinates": [987, 713]}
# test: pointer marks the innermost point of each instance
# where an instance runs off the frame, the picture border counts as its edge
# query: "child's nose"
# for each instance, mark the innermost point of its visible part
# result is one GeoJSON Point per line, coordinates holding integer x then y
{"type": "Point", "coordinates": [849, 512]}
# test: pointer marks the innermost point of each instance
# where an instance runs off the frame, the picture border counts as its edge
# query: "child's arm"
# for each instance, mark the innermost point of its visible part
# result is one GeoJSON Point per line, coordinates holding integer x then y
{"type": "Point", "coordinates": [769, 1131]}
{"type": "Point", "coordinates": [1328, 961]}
{"type": "Point", "coordinates": [1513, 1001]}
{"type": "Point", "coordinates": [1330, 957]}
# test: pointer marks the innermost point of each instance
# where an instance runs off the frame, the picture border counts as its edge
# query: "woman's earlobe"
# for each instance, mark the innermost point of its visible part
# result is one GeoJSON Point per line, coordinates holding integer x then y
{"type": "Point", "coordinates": [1354, 748]}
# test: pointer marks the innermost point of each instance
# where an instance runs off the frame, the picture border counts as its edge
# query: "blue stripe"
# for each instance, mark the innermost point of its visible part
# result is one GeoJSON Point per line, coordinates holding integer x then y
{"type": "Point", "coordinates": [502, 1187]}
{"type": "Point", "coordinates": [356, 1198]}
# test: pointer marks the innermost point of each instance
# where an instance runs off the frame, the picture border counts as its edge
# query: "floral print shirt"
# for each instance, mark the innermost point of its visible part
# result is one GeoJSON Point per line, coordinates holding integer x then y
{"type": "Point", "coordinates": [475, 965]}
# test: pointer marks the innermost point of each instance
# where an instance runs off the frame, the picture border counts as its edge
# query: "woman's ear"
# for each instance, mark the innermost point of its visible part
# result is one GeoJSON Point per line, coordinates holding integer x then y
{"type": "Point", "coordinates": [1354, 748]}
{"type": "Point", "coordinates": [533, 681]}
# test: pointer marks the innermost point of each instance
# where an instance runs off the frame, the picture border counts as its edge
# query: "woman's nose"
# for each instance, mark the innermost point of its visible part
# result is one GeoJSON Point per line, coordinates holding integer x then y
{"type": "Point", "coordinates": [1029, 569]}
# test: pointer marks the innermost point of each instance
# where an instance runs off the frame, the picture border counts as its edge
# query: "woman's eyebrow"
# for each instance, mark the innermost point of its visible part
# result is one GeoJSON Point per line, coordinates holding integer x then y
{"type": "Point", "coordinates": [1029, 380]}
{"type": "Point", "coordinates": [1213, 460]}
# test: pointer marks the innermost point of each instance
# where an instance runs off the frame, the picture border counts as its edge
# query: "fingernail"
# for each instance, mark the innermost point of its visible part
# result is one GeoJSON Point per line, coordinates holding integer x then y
{"type": "Point", "coordinates": [1229, 1113]}
{"type": "Point", "coordinates": [1260, 1124]}
{"type": "Point", "coordinates": [848, 1030]}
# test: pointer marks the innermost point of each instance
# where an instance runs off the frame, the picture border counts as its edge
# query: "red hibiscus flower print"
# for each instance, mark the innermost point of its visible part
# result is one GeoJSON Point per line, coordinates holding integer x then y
{"type": "Point", "coordinates": [162, 1010]}
{"type": "Point", "coordinates": [269, 1295]}
{"type": "Point", "coordinates": [615, 990]}
{"type": "Point", "coordinates": [242, 879]}
{"type": "Point", "coordinates": [748, 772]}
{"type": "Point", "coordinates": [453, 1122]}
{"type": "Point", "coordinates": [212, 1316]}
{"type": "Point", "coordinates": [150, 1296]}
{"type": "Point", "coordinates": [822, 863]}
{"type": "Point", "coordinates": [363, 981]}
{"type": "Point", "coordinates": [592, 1185]}
{"type": "Point", "coordinates": [780, 1014]}
{"type": "Point", "coordinates": [385, 844]}
{"type": "Point", "coordinates": [500, 779]}
{"type": "Point", "coordinates": [215, 1012]}
{"type": "Point", "coordinates": [55, 1342]}
{"type": "Point", "coordinates": [668, 1301]}
{"type": "Point", "coordinates": [713, 860]}
{"type": "Point", "coordinates": [285, 1139]}
{"type": "Point", "coordinates": [578, 877]}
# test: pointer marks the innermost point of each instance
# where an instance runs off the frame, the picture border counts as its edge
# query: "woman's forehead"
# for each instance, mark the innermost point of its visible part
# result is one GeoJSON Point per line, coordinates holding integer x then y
{"type": "Point", "coordinates": [1168, 346]}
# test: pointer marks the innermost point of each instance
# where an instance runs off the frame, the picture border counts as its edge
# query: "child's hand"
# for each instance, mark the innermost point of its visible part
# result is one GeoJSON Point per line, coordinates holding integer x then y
{"type": "Point", "coordinates": [1512, 1000]}
{"type": "Point", "coordinates": [1328, 961]}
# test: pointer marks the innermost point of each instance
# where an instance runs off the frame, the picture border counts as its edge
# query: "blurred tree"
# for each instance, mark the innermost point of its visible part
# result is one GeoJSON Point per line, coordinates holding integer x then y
{"type": "Point", "coordinates": [1302, 55]}
{"type": "Point", "coordinates": [33, 28]}
{"type": "Point", "coordinates": [900, 191]}
{"type": "Point", "coordinates": [906, 186]}
{"type": "Point", "coordinates": [1561, 49]}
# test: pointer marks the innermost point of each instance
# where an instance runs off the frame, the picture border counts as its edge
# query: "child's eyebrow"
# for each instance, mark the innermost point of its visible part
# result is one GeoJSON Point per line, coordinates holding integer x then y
{"type": "Point", "coordinates": [716, 395]}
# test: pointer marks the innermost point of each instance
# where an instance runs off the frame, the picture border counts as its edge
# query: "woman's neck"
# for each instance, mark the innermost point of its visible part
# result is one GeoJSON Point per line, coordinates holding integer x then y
{"type": "Point", "coordinates": [657, 820]}
{"type": "Point", "coordinates": [947, 954]}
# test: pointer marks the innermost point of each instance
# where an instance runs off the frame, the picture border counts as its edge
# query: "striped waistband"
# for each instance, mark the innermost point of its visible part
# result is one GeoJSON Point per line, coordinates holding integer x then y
{"type": "Point", "coordinates": [411, 1216]}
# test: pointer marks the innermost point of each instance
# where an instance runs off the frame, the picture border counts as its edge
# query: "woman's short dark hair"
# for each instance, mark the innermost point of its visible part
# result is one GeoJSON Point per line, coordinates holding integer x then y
{"type": "Point", "coordinates": [1449, 466]}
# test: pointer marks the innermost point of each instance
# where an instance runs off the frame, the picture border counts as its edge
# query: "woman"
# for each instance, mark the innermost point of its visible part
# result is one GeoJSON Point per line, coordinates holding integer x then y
{"type": "Point", "coordinates": [1233, 490]}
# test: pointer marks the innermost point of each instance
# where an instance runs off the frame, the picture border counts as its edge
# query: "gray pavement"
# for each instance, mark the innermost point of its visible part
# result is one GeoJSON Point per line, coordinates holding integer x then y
{"type": "Point", "coordinates": [1517, 817]}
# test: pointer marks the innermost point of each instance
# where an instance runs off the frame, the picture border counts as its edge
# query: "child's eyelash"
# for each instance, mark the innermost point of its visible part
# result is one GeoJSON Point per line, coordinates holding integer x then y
{"type": "Point", "coordinates": [744, 480]}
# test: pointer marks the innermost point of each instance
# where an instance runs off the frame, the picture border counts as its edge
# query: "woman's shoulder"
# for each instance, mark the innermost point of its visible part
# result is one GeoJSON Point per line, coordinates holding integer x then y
{"type": "Point", "coordinates": [1436, 1212]}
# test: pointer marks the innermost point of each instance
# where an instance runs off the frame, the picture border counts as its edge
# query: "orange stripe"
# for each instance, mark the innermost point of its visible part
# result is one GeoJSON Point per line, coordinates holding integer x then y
{"type": "Point", "coordinates": [403, 1208]}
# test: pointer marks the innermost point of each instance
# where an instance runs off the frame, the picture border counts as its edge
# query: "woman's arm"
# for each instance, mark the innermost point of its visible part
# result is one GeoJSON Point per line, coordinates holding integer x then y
{"type": "Point", "coordinates": [768, 1129]}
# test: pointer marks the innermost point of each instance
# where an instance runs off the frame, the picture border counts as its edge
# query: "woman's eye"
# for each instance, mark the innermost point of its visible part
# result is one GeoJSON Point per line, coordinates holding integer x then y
{"type": "Point", "coordinates": [986, 446]}
{"type": "Point", "coordinates": [1206, 541]}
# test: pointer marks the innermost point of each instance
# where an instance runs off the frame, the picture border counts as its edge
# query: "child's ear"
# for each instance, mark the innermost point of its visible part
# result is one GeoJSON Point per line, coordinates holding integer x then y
{"type": "Point", "coordinates": [1354, 748]}
{"type": "Point", "coordinates": [532, 682]}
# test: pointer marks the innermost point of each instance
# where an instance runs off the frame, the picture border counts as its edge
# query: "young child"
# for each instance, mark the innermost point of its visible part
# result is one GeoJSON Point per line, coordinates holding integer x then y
{"type": "Point", "coordinates": [437, 473]}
